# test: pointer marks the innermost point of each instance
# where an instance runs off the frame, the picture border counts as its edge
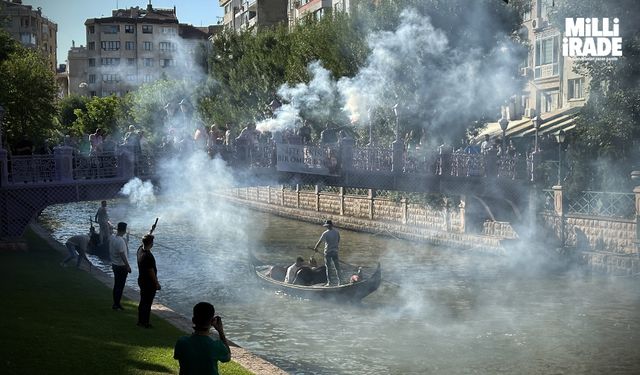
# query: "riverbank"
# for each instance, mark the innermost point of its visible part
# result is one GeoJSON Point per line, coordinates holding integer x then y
{"type": "Point", "coordinates": [314, 208]}
{"type": "Point", "coordinates": [370, 214]}
{"type": "Point", "coordinates": [84, 331]}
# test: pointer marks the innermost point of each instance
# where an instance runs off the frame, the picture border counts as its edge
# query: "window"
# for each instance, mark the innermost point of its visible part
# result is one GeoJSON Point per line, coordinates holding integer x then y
{"type": "Point", "coordinates": [147, 78]}
{"type": "Point", "coordinates": [131, 77]}
{"type": "Point", "coordinates": [27, 38]}
{"type": "Point", "coordinates": [91, 29]}
{"type": "Point", "coordinates": [129, 46]}
{"type": "Point", "coordinates": [110, 61]}
{"type": "Point", "coordinates": [148, 46]}
{"type": "Point", "coordinates": [167, 46]}
{"type": "Point", "coordinates": [129, 29]}
{"type": "Point", "coordinates": [546, 64]}
{"type": "Point", "coordinates": [92, 78]}
{"type": "Point", "coordinates": [546, 7]}
{"type": "Point", "coordinates": [131, 61]}
{"type": "Point", "coordinates": [110, 78]}
{"type": "Point", "coordinates": [576, 88]}
{"type": "Point", "coordinates": [526, 11]}
{"type": "Point", "coordinates": [168, 30]}
{"type": "Point", "coordinates": [147, 29]}
{"type": "Point", "coordinates": [110, 29]}
{"type": "Point", "coordinates": [92, 62]}
{"type": "Point", "coordinates": [548, 101]}
{"type": "Point", "coordinates": [91, 46]}
{"type": "Point", "coordinates": [148, 62]}
{"type": "Point", "coordinates": [110, 46]}
{"type": "Point", "coordinates": [167, 62]}
{"type": "Point", "coordinates": [93, 93]}
{"type": "Point", "coordinates": [24, 21]}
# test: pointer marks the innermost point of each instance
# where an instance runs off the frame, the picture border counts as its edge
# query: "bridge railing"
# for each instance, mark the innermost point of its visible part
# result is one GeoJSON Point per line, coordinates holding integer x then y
{"type": "Point", "coordinates": [31, 169]}
{"type": "Point", "coordinates": [65, 165]}
{"type": "Point", "coordinates": [375, 159]}
{"type": "Point", "coordinates": [104, 165]}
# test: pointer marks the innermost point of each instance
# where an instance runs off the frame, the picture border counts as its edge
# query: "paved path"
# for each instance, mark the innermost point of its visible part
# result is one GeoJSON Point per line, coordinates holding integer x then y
{"type": "Point", "coordinates": [240, 355]}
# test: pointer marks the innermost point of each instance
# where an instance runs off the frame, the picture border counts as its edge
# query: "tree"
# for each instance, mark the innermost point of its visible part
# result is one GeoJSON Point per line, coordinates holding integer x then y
{"type": "Point", "coordinates": [107, 113]}
{"type": "Point", "coordinates": [67, 107]}
{"type": "Point", "coordinates": [27, 92]}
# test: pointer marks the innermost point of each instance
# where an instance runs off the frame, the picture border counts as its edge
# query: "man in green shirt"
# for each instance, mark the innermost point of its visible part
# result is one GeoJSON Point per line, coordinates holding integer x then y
{"type": "Point", "coordinates": [200, 353]}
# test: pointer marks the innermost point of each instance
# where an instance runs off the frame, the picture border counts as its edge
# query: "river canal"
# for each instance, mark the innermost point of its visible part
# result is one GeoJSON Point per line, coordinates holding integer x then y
{"type": "Point", "coordinates": [440, 311]}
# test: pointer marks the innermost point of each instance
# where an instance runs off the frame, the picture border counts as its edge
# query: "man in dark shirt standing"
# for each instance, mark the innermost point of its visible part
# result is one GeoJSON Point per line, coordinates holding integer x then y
{"type": "Point", "coordinates": [147, 280]}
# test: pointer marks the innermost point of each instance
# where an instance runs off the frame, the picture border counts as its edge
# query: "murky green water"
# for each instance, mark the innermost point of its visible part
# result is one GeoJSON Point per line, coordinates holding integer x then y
{"type": "Point", "coordinates": [440, 311]}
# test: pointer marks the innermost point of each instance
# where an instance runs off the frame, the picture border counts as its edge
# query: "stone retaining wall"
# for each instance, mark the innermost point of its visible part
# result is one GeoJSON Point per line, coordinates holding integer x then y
{"type": "Point", "coordinates": [365, 213]}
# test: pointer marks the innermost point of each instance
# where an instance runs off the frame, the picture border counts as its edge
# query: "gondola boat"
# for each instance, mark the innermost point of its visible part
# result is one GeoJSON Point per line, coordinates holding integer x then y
{"type": "Point", "coordinates": [350, 291]}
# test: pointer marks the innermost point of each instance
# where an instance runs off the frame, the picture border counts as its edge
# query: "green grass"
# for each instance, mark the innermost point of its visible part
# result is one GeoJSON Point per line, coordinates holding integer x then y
{"type": "Point", "coordinates": [56, 320]}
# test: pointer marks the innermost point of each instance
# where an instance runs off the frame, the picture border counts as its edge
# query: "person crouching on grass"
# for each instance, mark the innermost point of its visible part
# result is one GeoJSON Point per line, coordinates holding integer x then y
{"type": "Point", "coordinates": [200, 353]}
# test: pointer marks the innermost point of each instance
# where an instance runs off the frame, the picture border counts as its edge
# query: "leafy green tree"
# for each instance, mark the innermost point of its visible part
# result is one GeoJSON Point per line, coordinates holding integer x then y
{"type": "Point", "coordinates": [605, 143]}
{"type": "Point", "coordinates": [67, 107]}
{"type": "Point", "coordinates": [107, 113]}
{"type": "Point", "coordinates": [27, 93]}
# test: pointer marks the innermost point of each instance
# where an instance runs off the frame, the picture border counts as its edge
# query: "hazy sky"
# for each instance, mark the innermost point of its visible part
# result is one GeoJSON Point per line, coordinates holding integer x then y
{"type": "Point", "coordinates": [70, 15]}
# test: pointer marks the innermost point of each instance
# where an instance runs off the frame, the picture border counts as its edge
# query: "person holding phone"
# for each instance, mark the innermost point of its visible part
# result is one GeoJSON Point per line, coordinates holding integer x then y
{"type": "Point", "coordinates": [200, 353]}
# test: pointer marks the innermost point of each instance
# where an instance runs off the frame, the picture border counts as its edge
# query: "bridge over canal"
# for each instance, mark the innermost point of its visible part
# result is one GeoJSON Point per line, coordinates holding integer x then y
{"type": "Point", "coordinates": [501, 186]}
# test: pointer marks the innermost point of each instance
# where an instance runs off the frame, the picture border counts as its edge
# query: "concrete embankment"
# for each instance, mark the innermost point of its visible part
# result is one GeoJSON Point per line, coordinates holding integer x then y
{"type": "Point", "coordinates": [315, 208]}
{"type": "Point", "coordinates": [240, 355]}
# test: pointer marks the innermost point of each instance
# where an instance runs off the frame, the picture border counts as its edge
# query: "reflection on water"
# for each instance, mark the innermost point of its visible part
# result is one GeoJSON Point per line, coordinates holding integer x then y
{"type": "Point", "coordinates": [439, 311]}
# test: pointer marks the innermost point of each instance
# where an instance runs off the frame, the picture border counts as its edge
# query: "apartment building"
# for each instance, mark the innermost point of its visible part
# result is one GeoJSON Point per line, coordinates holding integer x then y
{"type": "Point", "coordinates": [553, 91]}
{"type": "Point", "coordinates": [301, 9]}
{"type": "Point", "coordinates": [132, 47]}
{"type": "Point", "coordinates": [241, 15]}
{"type": "Point", "coordinates": [31, 28]}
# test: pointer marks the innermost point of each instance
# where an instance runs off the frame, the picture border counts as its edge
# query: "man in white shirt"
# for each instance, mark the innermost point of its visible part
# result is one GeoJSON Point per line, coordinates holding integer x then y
{"type": "Point", "coordinates": [292, 270]}
{"type": "Point", "coordinates": [331, 239]}
{"type": "Point", "coordinates": [118, 251]}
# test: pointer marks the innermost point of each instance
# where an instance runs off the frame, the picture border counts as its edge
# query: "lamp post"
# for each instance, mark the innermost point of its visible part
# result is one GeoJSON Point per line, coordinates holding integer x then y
{"type": "Point", "coordinates": [395, 112]}
{"type": "Point", "coordinates": [560, 139]}
{"type": "Point", "coordinates": [504, 123]}
{"type": "Point", "coordinates": [537, 122]}
{"type": "Point", "coordinates": [1, 124]}
{"type": "Point", "coordinates": [370, 127]}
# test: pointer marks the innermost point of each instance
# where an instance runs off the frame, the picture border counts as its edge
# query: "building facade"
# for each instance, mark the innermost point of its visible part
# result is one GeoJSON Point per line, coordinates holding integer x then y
{"type": "Point", "coordinates": [241, 15]}
{"type": "Point", "coordinates": [552, 85]}
{"type": "Point", "coordinates": [132, 47]}
{"type": "Point", "coordinates": [301, 9]}
{"type": "Point", "coordinates": [31, 28]}
{"type": "Point", "coordinates": [553, 92]}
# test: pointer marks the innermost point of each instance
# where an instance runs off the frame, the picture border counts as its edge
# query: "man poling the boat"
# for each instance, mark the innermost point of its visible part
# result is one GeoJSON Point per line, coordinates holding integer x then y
{"type": "Point", "coordinates": [331, 239]}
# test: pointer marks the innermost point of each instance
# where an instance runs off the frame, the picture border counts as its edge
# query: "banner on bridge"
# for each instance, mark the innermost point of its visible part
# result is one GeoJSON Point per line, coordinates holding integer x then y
{"type": "Point", "coordinates": [307, 159]}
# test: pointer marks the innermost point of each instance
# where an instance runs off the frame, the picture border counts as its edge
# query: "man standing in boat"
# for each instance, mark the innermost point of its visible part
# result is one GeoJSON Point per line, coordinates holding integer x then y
{"type": "Point", "coordinates": [331, 239]}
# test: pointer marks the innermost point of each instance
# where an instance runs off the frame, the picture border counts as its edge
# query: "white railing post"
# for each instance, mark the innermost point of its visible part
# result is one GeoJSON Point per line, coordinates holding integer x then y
{"type": "Point", "coordinates": [63, 156]}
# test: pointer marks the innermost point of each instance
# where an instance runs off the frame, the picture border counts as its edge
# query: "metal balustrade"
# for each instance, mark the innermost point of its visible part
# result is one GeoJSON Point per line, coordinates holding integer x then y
{"type": "Point", "coordinates": [310, 160]}
{"type": "Point", "coordinates": [375, 159]}
{"type": "Point", "coordinates": [32, 169]}
{"type": "Point", "coordinates": [595, 203]}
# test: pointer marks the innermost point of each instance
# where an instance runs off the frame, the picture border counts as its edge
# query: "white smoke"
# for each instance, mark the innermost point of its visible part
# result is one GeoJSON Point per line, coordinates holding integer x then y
{"type": "Point", "coordinates": [417, 67]}
{"type": "Point", "coordinates": [140, 193]}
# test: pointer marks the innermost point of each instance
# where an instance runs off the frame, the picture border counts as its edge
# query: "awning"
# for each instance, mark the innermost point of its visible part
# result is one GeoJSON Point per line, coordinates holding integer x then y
{"type": "Point", "coordinates": [552, 122]}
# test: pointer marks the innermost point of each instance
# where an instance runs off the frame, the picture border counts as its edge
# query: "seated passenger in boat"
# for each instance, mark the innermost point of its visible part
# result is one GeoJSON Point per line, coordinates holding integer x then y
{"type": "Point", "coordinates": [293, 269]}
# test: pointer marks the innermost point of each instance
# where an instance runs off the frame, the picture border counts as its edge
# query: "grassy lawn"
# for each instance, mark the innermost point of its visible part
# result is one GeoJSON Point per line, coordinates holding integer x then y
{"type": "Point", "coordinates": [58, 320]}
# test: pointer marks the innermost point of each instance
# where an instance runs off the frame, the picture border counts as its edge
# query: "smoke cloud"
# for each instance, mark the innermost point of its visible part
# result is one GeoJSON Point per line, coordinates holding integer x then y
{"type": "Point", "coordinates": [439, 82]}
